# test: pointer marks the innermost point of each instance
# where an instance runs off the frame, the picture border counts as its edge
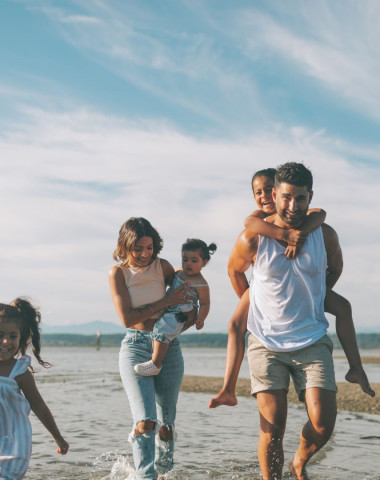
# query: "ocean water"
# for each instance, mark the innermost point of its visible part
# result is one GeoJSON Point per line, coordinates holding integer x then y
{"type": "Point", "coordinates": [84, 392]}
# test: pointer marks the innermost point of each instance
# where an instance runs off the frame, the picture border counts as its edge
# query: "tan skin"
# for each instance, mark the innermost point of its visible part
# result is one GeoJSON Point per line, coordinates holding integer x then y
{"type": "Point", "coordinates": [141, 318]}
{"type": "Point", "coordinates": [10, 334]}
{"type": "Point", "coordinates": [292, 204]}
{"type": "Point", "coordinates": [243, 256]}
{"type": "Point", "coordinates": [192, 264]}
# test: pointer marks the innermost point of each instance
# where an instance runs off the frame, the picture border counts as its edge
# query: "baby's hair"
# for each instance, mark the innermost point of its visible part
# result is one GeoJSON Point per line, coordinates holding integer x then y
{"type": "Point", "coordinates": [205, 250]}
{"type": "Point", "coordinates": [267, 172]}
{"type": "Point", "coordinates": [27, 318]}
{"type": "Point", "coordinates": [130, 232]}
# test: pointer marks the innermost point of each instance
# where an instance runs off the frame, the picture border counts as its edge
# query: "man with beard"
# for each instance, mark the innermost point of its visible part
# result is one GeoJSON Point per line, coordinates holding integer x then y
{"type": "Point", "coordinates": [288, 327]}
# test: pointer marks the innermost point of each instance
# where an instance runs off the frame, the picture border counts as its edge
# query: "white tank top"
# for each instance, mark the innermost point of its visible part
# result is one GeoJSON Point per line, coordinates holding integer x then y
{"type": "Point", "coordinates": [287, 296]}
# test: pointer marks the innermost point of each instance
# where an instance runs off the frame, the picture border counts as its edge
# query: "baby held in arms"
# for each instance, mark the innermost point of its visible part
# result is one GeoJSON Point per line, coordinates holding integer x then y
{"type": "Point", "coordinates": [195, 255]}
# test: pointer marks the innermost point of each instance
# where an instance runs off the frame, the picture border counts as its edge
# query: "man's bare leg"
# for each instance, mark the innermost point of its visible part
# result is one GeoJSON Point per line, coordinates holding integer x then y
{"type": "Point", "coordinates": [321, 409]}
{"type": "Point", "coordinates": [237, 329]}
{"type": "Point", "coordinates": [345, 330]}
{"type": "Point", "coordinates": [273, 407]}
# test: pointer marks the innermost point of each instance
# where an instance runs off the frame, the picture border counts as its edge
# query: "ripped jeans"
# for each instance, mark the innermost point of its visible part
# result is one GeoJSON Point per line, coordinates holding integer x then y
{"type": "Point", "coordinates": [151, 398]}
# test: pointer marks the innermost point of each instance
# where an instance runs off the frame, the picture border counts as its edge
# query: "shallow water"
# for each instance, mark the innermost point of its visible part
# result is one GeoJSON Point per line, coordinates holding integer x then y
{"type": "Point", "coordinates": [84, 392]}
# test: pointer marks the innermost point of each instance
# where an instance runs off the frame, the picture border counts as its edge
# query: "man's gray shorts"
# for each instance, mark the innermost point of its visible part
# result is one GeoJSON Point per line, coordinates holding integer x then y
{"type": "Point", "coordinates": [311, 366]}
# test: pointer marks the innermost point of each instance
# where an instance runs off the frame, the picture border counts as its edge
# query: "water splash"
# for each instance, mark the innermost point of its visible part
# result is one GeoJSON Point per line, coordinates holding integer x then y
{"type": "Point", "coordinates": [117, 464]}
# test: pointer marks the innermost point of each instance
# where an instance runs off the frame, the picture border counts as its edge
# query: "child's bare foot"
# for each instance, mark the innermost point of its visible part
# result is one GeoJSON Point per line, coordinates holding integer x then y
{"type": "Point", "coordinates": [223, 398]}
{"type": "Point", "coordinates": [358, 375]}
{"type": "Point", "coordinates": [298, 471]}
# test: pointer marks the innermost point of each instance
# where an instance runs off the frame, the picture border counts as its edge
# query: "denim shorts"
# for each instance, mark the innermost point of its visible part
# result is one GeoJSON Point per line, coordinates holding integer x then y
{"type": "Point", "coordinates": [311, 366]}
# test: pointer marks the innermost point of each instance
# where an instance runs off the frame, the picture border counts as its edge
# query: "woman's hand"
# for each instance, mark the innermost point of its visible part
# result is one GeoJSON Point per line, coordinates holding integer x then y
{"type": "Point", "coordinates": [191, 319]}
{"type": "Point", "coordinates": [177, 296]}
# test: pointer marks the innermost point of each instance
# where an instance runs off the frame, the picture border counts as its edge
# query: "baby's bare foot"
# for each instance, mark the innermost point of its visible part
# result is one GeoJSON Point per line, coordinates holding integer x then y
{"type": "Point", "coordinates": [358, 375]}
{"type": "Point", "coordinates": [223, 398]}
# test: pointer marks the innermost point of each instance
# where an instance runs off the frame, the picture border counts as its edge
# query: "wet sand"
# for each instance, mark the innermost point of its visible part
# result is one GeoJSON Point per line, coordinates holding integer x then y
{"type": "Point", "coordinates": [350, 396]}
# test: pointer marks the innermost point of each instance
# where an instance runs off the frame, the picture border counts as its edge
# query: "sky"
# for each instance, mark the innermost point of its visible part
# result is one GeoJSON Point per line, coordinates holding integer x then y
{"type": "Point", "coordinates": [111, 109]}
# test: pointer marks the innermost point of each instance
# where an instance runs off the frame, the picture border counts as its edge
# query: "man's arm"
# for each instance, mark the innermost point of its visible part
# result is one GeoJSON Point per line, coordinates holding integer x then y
{"type": "Point", "coordinates": [334, 256]}
{"type": "Point", "coordinates": [240, 260]}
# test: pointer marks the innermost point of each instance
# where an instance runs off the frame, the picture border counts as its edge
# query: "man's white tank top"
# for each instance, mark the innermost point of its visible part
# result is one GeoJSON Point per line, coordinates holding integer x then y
{"type": "Point", "coordinates": [287, 296]}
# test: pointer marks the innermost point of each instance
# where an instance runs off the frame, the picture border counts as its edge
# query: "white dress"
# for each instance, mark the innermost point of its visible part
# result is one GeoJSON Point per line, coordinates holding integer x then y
{"type": "Point", "coordinates": [15, 429]}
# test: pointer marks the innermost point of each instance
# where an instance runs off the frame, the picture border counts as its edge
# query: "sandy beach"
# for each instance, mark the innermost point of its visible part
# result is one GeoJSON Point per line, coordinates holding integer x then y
{"type": "Point", "coordinates": [350, 396]}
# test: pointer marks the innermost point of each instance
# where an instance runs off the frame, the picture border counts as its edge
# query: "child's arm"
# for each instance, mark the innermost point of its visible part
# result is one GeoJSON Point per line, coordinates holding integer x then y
{"type": "Point", "coordinates": [28, 386]}
{"type": "Point", "coordinates": [294, 238]}
{"type": "Point", "coordinates": [314, 219]}
{"type": "Point", "coordinates": [204, 306]}
{"type": "Point", "coordinates": [256, 225]}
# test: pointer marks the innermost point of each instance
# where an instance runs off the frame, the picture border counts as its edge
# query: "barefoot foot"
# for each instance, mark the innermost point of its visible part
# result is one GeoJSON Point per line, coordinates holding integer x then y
{"type": "Point", "coordinates": [223, 398]}
{"type": "Point", "coordinates": [297, 468]}
{"type": "Point", "coordinates": [358, 375]}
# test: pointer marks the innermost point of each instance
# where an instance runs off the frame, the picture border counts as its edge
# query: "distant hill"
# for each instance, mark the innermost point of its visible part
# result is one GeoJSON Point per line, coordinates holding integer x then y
{"type": "Point", "coordinates": [109, 328]}
{"type": "Point", "coordinates": [191, 340]}
{"type": "Point", "coordinates": [89, 328]}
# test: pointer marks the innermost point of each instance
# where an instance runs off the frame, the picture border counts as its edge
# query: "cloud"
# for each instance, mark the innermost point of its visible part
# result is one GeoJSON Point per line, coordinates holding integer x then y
{"type": "Point", "coordinates": [180, 63]}
{"type": "Point", "coordinates": [70, 179]}
{"type": "Point", "coordinates": [338, 44]}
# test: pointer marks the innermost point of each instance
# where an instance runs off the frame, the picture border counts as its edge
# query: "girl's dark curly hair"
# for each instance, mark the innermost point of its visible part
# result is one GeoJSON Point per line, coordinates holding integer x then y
{"type": "Point", "coordinates": [27, 318]}
{"type": "Point", "coordinates": [267, 172]}
{"type": "Point", "coordinates": [205, 250]}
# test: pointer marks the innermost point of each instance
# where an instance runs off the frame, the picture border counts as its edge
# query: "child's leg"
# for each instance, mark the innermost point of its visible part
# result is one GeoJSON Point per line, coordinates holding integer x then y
{"type": "Point", "coordinates": [153, 367]}
{"type": "Point", "coordinates": [159, 352]}
{"type": "Point", "coordinates": [345, 330]}
{"type": "Point", "coordinates": [237, 329]}
{"type": "Point", "coordinates": [164, 331]}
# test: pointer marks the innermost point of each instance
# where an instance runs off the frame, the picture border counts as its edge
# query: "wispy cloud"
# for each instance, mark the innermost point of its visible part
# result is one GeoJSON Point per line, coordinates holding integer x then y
{"type": "Point", "coordinates": [77, 161]}
{"type": "Point", "coordinates": [139, 44]}
{"type": "Point", "coordinates": [324, 47]}
{"type": "Point", "coordinates": [70, 179]}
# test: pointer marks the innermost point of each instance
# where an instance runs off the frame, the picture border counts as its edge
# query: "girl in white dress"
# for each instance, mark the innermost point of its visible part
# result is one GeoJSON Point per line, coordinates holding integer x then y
{"type": "Point", "coordinates": [18, 392]}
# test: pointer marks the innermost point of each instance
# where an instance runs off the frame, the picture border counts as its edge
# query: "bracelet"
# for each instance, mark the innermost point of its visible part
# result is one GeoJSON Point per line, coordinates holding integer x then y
{"type": "Point", "coordinates": [150, 306]}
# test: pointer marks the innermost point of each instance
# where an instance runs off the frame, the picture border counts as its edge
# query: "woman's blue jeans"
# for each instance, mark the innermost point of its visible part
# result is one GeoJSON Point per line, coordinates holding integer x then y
{"type": "Point", "coordinates": [151, 398]}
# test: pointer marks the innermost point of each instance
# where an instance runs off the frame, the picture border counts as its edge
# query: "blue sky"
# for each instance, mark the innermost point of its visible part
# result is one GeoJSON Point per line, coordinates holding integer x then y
{"type": "Point", "coordinates": [111, 109]}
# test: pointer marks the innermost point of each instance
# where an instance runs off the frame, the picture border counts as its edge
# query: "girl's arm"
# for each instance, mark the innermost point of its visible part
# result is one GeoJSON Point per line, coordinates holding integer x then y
{"type": "Point", "coordinates": [314, 219]}
{"type": "Point", "coordinates": [256, 225]}
{"type": "Point", "coordinates": [41, 410]}
{"type": "Point", "coordinates": [294, 238]}
{"type": "Point", "coordinates": [130, 316]}
{"type": "Point", "coordinates": [204, 305]}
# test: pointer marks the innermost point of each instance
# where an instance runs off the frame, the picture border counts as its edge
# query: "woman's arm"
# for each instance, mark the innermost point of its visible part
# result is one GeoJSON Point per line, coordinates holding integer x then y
{"type": "Point", "coordinates": [130, 316]}
{"type": "Point", "coordinates": [41, 410]}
